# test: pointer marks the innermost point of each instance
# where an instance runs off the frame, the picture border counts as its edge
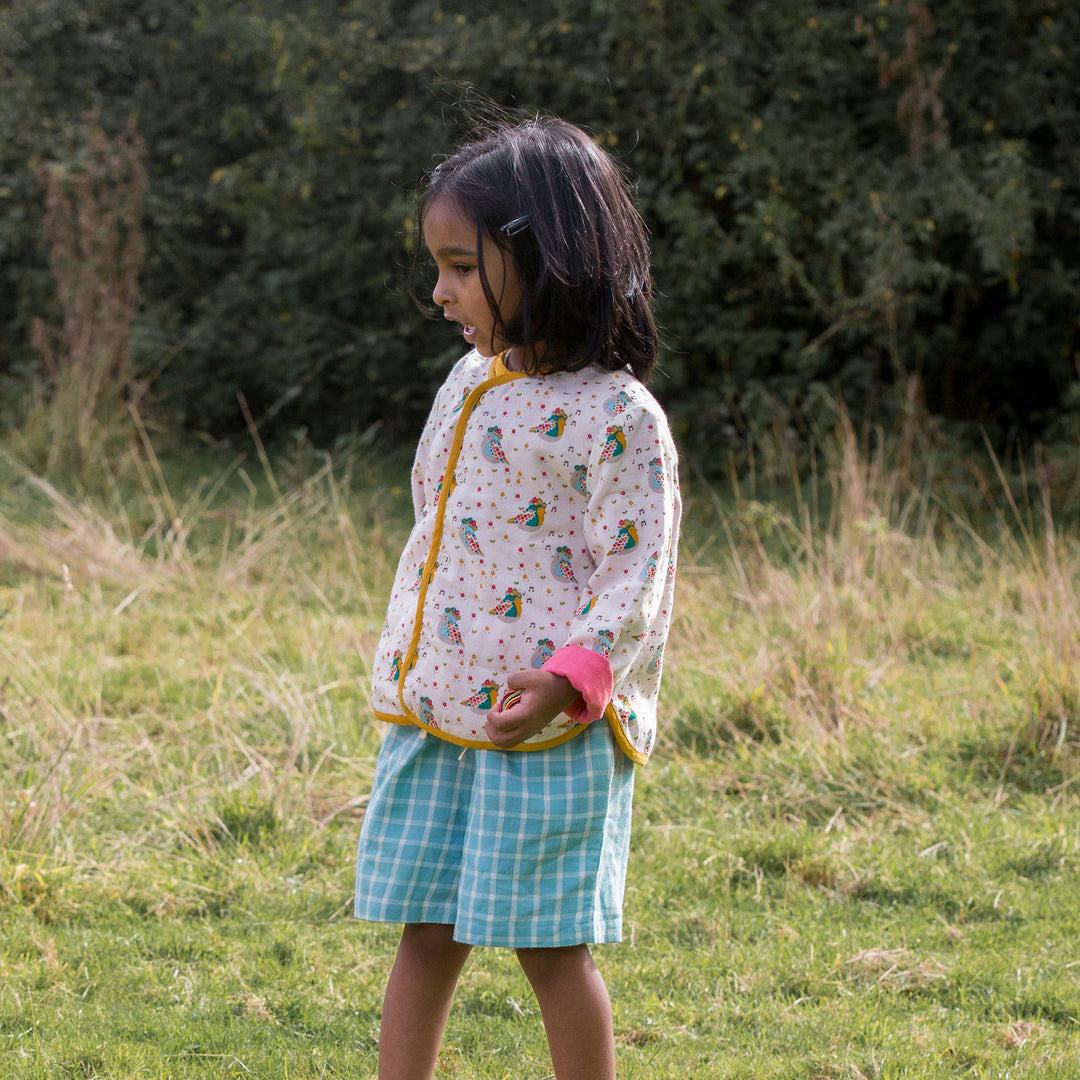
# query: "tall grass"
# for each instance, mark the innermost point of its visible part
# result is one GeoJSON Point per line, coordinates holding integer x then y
{"type": "Point", "coordinates": [92, 225]}
{"type": "Point", "coordinates": [180, 633]}
{"type": "Point", "coordinates": [888, 590]}
{"type": "Point", "coordinates": [860, 658]}
{"type": "Point", "coordinates": [859, 824]}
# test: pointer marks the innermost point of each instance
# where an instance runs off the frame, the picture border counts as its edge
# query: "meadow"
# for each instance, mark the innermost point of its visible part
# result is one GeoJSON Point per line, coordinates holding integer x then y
{"type": "Point", "coordinates": [856, 850]}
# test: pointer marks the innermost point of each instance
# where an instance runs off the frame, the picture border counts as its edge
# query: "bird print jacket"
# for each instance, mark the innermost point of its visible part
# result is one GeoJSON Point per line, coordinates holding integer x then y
{"type": "Point", "coordinates": [547, 518]}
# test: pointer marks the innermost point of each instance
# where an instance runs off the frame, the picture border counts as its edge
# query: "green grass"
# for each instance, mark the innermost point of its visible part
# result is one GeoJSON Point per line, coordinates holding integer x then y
{"type": "Point", "coordinates": [856, 850]}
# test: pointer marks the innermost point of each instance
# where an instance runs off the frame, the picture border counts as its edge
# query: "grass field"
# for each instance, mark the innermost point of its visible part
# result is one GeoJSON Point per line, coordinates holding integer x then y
{"type": "Point", "coordinates": [856, 850]}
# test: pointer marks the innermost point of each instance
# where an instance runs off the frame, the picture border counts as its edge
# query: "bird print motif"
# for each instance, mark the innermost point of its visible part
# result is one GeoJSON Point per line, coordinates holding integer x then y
{"type": "Point", "coordinates": [395, 666]}
{"type": "Point", "coordinates": [427, 712]}
{"type": "Point", "coordinates": [614, 443]}
{"type": "Point", "coordinates": [468, 535]}
{"type": "Point", "coordinates": [562, 567]}
{"type": "Point", "coordinates": [415, 586]}
{"type": "Point", "coordinates": [448, 627]}
{"type": "Point", "coordinates": [656, 661]}
{"type": "Point", "coordinates": [509, 607]}
{"type": "Point", "coordinates": [461, 403]}
{"type": "Point", "coordinates": [587, 606]}
{"type": "Point", "coordinates": [625, 539]}
{"type": "Point", "coordinates": [656, 474]}
{"type": "Point", "coordinates": [484, 698]}
{"type": "Point", "coordinates": [649, 573]}
{"type": "Point", "coordinates": [618, 403]}
{"type": "Point", "coordinates": [491, 447]}
{"type": "Point", "coordinates": [581, 474]}
{"type": "Point", "coordinates": [605, 639]}
{"type": "Point", "coordinates": [545, 649]}
{"type": "Point", "coordinates": [553, 427]}
{"type": "Point", "coordinates": [532, 517]}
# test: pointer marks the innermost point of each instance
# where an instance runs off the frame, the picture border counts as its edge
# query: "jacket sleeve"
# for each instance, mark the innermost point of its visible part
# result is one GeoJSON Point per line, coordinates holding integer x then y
{"type": "Point", "coordinates": [630, 527]}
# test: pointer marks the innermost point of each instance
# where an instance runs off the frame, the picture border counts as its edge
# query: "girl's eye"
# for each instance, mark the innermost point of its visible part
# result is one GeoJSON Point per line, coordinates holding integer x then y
{"type": "Point", "coordinates": [462, 269]}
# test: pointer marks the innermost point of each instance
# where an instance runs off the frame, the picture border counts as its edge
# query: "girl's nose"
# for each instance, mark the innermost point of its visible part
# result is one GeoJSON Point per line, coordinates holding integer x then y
{"type": "Point", "coordinates": [441, 294]}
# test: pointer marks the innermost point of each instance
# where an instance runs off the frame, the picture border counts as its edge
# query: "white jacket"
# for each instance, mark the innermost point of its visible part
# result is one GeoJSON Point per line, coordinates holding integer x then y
{"type": "Point", "coordinates": [547, 517]}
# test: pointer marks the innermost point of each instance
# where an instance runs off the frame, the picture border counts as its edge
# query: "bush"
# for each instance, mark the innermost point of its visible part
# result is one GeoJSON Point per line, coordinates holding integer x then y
{"type": "Point", "coordinates": [841, 196]}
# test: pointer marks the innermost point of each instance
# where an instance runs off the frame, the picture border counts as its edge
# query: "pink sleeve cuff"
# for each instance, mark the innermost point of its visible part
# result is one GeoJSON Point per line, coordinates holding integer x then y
{"type": "Point", "coordinates": [590, 674]}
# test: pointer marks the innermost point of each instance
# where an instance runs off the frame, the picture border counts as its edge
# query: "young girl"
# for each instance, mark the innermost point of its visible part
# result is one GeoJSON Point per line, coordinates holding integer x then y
{"type": "Point", "coordinates": [520, 659]}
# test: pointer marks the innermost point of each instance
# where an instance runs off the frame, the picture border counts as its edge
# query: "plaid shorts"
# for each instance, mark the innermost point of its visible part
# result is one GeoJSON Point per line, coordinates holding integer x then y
{"type": "Point", "coordinates": [524, 849]}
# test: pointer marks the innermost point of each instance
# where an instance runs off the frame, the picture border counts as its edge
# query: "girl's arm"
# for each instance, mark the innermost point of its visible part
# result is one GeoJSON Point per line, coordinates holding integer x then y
{"type": "Point", "coordinates": [631, 528]}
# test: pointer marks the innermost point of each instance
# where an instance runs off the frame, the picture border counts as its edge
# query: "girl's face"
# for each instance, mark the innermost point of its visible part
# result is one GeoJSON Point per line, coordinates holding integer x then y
{"type": "Point", "coordinates": [451, 238]}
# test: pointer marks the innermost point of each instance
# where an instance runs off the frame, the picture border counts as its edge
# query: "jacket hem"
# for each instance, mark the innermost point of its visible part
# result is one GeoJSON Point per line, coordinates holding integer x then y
{"type": "Point", "coordinates": [476, 744]}
{"type": "Point", "coordinates": [624, 744]}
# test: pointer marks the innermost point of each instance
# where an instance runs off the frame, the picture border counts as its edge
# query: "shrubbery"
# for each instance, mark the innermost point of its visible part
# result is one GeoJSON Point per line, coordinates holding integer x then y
{"type": "Point", "coordinates": [841, 195]}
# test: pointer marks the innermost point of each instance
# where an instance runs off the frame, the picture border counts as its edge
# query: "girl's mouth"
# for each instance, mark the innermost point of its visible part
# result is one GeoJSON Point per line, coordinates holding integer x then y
{"type": "Point", "coordinates": [469, 332]}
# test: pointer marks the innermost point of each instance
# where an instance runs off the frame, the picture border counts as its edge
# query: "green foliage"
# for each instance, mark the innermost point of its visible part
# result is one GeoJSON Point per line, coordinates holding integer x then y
{"type": "Point", "coordinates": [840, 195]}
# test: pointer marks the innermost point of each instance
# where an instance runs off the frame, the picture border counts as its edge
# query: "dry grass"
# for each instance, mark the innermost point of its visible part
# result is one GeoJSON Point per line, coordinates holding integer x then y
{"type": "Point", "coordinates": [884, 610]}
{"type": "Point", "coordinates": [861, 797]}
{"type": "Point", "coordinates": [180, 633]}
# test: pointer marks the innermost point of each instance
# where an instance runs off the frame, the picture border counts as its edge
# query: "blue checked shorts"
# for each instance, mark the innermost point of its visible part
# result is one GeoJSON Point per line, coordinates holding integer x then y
{"type": "Point", "coordinates": [525, 849]}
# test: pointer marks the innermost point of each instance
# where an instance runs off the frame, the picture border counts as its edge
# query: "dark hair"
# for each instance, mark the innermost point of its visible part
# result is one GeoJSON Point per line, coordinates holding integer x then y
{"type": "Point", "coordinates": [559, 206]}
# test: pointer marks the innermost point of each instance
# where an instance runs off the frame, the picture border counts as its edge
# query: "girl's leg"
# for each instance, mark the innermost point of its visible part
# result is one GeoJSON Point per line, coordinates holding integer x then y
{"type": "Point", "coordinates": [417, 1001]}
{"type": "Point", "coordinates": [576, 1009]}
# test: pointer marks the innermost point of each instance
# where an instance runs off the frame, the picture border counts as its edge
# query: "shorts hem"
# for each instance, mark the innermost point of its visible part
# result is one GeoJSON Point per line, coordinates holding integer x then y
{"type": "Point", "coordinates": [484, 939]}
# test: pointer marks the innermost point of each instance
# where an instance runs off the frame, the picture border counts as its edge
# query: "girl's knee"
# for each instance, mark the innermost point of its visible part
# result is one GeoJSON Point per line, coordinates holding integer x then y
{"type": "Point", "coordinates": [543, 965]}
{"type": "Point", "coordinates": [433, 943]}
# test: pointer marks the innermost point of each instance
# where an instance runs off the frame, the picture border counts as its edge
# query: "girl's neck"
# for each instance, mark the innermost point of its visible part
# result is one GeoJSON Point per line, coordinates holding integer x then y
{"type": "Point", "coordinates": [514, 357]}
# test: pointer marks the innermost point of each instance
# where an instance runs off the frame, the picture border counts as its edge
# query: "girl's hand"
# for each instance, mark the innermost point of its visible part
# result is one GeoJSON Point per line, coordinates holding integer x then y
{"type": "Point", "coordinates": [544, 695]}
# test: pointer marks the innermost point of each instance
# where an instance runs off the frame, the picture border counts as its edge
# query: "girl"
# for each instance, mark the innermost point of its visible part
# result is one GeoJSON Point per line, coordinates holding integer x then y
{"type": "Point", "coordinates": [520, 659]}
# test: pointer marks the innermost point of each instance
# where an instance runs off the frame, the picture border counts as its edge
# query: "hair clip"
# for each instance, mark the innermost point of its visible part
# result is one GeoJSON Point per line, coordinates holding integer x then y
{"type": "Point", "coordinates": [512, 228]}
